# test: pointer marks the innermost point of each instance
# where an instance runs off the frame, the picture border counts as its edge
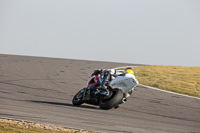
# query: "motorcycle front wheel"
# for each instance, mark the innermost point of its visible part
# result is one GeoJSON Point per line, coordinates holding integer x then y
{"type": "Point", "coordinates": [112, 101]}
{"type": "Point", "coordinates": [77, 100]}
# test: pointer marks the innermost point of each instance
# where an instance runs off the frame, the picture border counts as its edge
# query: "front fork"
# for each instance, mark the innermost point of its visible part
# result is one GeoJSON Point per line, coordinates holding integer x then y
{"type": "Point", "coordinates": [86, 95]}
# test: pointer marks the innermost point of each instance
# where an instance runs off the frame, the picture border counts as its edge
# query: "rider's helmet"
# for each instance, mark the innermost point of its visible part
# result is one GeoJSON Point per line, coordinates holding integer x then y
{"type": "Point", "coordinates": [129, 70]}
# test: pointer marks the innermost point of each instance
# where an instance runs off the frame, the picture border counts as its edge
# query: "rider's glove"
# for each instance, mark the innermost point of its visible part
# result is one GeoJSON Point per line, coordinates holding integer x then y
{"type": "Point", "coordinates": [96, 72]}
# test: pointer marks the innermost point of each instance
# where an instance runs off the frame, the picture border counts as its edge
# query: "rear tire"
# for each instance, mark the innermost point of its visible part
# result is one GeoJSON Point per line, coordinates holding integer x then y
{"type": "Point", "coordinates": [77, 100]}
{"type": "Point", "coordinates": [113, 101]}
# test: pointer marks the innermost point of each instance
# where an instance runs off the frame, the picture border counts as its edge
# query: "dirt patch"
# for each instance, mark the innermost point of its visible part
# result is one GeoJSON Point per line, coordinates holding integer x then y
{"type": "Point", "coordinates": [37, 126]}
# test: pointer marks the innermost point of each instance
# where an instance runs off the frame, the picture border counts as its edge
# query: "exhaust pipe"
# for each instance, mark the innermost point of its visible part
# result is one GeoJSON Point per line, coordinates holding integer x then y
{"type": "Point", "coordinates": [124, 100]}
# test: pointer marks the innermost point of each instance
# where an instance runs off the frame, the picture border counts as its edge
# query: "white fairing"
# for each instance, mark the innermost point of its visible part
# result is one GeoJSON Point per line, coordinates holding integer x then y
{"type": "Point", "coordinates": [125, 83]}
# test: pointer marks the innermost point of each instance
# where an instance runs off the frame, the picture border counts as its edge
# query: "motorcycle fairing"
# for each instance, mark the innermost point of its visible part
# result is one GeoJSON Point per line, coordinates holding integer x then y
{"type": "Point", "coordinates": [125, 83]}
{"type": "Point", "coordinates": [94, 80]}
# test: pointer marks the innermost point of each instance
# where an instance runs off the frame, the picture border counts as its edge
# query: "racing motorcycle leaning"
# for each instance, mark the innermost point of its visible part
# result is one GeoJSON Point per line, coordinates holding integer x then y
{"type": "Point", "coordinates": [108, 88]}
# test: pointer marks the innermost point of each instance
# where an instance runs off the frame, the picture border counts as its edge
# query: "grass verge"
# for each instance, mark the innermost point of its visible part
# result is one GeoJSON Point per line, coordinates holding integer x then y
{"type": "Point", "coordinates": [13, 126]}
{"type": "Point", "coordinates": [179, 79]}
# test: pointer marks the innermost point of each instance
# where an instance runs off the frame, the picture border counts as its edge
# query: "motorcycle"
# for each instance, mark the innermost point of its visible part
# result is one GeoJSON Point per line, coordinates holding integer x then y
{"type": "Point", "coordinates": [108, 90]}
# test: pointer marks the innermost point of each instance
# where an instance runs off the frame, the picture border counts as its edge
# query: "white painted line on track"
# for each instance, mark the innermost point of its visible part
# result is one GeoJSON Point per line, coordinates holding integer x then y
{"type": "Point", "coordinates": [157, 88]}
{"type": "Point", "coordinates": [167, 91]}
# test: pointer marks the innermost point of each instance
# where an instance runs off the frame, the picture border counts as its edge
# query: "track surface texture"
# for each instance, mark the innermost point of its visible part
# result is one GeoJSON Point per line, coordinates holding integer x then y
{"type": "Point", "coordinates": [41, 89]}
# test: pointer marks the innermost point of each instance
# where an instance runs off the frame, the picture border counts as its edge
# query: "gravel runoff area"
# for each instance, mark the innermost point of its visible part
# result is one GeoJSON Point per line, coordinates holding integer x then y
{"type": "Point", "coordinates": [31, 125]}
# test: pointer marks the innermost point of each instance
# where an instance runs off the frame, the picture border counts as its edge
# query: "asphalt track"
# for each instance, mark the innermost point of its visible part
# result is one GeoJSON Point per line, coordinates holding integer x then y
{"type": "Point", "coordinates": [41, 89]}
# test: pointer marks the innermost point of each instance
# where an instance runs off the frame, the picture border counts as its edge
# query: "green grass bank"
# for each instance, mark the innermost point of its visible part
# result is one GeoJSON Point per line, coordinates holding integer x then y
{"type": "Point", "coordinates": [179, 79]}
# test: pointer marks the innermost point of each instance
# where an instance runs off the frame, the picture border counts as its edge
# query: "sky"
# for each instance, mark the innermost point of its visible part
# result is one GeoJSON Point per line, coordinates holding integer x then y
{"type": "Point", "coordinates": [154, 32]}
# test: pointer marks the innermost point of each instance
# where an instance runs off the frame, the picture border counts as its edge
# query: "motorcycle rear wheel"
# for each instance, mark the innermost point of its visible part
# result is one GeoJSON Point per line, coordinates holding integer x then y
{"type": "Point", "coordinates": [77, 100]}
{"type": "Point", "coordinates": [113, 101]}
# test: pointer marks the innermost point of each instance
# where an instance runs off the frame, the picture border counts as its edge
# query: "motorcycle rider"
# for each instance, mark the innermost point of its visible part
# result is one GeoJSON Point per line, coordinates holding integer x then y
{"type": "Point", "coordinates": [110, 73]}
{"type": "Point", "coordinates": [104, 90]}
{"type": "Point", "coordinates": [97, 72]}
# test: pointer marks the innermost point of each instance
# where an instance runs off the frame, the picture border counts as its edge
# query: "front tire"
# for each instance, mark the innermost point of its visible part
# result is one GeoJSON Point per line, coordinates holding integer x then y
{"type": "Point", "coordinates": [77, 100]}
{"type": "Point", "coordinates": [113, 101]}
